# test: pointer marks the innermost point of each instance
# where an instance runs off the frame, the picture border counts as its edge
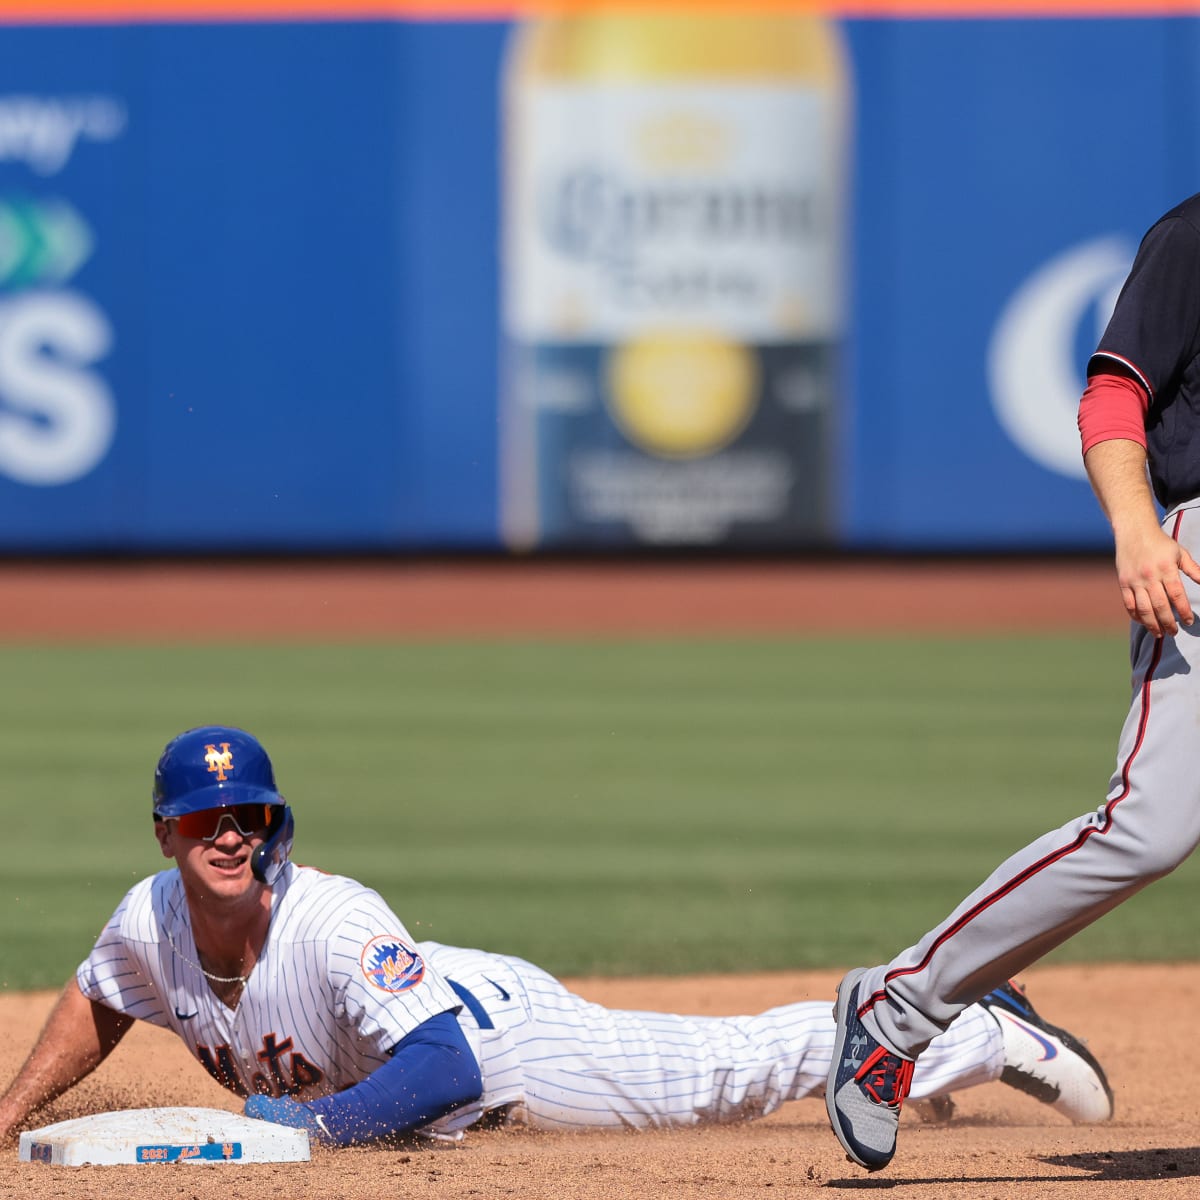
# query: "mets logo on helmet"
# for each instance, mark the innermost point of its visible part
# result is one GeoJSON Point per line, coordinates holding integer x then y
{"type": "Point", "coordinates": [391, 965]}
{"type": "Point", "coordinates": [219, 761]}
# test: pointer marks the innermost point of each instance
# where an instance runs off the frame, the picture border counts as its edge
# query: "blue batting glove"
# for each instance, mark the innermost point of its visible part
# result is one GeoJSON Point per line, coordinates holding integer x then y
{"type": "Point", "coordinates": [286, 1111]}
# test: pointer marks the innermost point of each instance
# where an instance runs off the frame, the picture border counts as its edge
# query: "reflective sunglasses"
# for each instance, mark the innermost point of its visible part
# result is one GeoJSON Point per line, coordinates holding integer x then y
{"type": "Point", "coordinates": [205, 825]}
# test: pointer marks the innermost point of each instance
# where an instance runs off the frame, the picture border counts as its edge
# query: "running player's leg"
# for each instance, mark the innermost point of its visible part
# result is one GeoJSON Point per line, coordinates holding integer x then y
{"type": "Point", "coordinates": [1062, 882]}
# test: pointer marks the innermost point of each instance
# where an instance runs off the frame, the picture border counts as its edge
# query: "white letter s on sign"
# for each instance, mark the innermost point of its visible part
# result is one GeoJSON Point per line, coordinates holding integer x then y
{"type": "Point", "coordinates": [57, 419]}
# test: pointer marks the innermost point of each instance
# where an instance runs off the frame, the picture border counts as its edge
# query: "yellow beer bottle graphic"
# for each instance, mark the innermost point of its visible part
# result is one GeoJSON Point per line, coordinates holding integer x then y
{"type": "Point", "coordinates": [675, 198]}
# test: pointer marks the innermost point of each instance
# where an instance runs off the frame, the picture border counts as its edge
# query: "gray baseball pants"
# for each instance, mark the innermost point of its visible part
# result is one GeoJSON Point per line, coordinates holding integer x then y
{"type": "Point", "coordinates": [1045, 893]}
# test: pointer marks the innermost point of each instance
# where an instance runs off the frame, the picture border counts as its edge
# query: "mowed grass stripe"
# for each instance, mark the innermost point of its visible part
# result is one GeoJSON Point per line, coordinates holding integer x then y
{"type": "Point", "coordinates": [620, 807]}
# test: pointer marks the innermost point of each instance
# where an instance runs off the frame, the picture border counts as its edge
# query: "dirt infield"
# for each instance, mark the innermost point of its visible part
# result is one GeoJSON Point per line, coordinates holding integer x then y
{"type": "Point", "coordinates": [364, 600]}
{"type": "Point", "coordinates": [1000, 1144]}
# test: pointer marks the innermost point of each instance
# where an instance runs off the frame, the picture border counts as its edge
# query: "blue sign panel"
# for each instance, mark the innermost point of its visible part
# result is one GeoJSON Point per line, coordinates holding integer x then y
{"type": "Point", "coordinates": [258, 285]}
{"type": "Point", "coordinates": [1004, 180]}
{"type": "Point", "coordinates": [68, 343]}
{"type": "Point", "coordinates": [247, 287]}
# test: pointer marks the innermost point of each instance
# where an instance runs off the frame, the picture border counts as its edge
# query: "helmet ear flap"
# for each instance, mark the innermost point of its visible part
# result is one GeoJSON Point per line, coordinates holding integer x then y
{"type": "Point", "coordinates": [270, 858]}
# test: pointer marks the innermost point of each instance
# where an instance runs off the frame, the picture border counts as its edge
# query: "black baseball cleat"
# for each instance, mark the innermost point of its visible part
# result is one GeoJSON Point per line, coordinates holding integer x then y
{"type": "Point", "coordinates": [1046, 1062]}
{"type": "Point", "coordinates": [867, 1084]}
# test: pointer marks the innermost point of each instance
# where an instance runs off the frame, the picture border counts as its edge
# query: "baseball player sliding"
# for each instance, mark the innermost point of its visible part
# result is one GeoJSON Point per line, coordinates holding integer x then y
{"type": "Point", "coordinates": [304, 993]}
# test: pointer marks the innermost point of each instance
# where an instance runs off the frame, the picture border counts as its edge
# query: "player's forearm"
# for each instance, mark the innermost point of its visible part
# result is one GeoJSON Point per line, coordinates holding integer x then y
{"type": "Point", "coordinates": [1117, 472]}
{"type": "Point", "coordinates": [404, 1094]}
{"type": "Point", "coordinates": [431, 1072]}
{"type": "Point", "coordinates": [77, 1037]}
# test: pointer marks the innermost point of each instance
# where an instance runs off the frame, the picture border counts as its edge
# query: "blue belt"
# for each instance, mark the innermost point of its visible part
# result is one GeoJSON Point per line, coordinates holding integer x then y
{"type": "Point", "coordinates": [472, 1005]}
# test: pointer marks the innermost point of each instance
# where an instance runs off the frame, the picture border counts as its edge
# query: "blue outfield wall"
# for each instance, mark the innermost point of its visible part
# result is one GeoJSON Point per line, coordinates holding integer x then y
{"type": "Point", "coordinates": [250, 278]}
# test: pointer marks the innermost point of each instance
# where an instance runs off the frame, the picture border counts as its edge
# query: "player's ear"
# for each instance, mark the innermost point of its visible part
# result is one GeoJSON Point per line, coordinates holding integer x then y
{"type": "Point", "coordinates": [162, 831]}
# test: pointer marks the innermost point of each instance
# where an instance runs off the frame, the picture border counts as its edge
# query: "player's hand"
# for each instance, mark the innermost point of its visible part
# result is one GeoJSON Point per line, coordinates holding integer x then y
{"type": "Point", "coordinates": [1150, 567]}
{"type": "Point", "coordinates": [286, 1111]}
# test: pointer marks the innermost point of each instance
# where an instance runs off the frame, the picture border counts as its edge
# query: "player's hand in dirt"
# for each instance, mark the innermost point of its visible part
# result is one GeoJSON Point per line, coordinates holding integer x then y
{"type": "Point", "coordinates": [286, 1111]}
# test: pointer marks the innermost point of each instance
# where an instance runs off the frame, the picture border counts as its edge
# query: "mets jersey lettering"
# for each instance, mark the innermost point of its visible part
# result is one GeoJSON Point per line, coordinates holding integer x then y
{"type": "Point", "coordinates": [219, 1064]}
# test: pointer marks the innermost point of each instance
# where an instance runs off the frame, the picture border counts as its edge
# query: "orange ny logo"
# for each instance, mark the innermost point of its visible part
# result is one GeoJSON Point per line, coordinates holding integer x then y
{"type": "Point", "coordinates": [219, 761]}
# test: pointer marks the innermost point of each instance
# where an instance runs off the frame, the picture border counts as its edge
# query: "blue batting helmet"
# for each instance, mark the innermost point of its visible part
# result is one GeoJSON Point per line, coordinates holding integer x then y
{"type": "Point", "coordinates": [216, 766]}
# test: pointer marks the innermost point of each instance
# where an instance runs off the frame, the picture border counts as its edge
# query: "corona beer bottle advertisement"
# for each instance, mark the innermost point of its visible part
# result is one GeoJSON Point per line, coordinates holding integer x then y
{"type": "Point", "coordinates": [675, 203]}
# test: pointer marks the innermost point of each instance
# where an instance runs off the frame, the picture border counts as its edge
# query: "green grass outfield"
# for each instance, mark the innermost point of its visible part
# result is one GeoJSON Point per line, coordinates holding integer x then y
{"type": "Point", "coordinates": [611, 807]}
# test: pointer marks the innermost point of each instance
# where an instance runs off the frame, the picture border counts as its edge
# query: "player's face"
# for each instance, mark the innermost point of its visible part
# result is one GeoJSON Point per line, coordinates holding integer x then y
{"type": "Point", "coordinates": [217, 864]}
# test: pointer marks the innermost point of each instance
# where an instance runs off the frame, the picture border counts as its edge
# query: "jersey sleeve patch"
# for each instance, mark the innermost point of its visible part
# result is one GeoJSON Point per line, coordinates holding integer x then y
{"type": "Point", "coordinates": [391, 965]}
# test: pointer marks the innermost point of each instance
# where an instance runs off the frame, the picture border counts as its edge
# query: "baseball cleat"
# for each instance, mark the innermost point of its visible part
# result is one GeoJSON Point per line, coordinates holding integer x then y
{"type": "Point", "coordinates": [1047, 1062]}
{"type": "Point", "coordinates": [867, 1084]}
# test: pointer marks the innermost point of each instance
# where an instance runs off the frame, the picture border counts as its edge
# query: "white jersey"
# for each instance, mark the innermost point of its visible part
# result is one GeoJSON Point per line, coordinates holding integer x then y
{"type": "Point", "coordinates": [340, 982]}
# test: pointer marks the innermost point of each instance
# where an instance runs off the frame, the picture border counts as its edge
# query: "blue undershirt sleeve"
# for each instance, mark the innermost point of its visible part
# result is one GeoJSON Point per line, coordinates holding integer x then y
{"type": "Point", "coordinates": [431, 1072]}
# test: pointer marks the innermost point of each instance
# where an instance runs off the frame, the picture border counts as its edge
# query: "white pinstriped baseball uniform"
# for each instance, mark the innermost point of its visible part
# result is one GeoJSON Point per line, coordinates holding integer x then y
{"type": "Point", "coordinates": [340, 982]}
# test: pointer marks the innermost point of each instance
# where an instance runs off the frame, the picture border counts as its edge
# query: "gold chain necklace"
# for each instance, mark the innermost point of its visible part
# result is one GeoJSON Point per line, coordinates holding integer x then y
{"type": "Point", "coordinates": [242, 979]}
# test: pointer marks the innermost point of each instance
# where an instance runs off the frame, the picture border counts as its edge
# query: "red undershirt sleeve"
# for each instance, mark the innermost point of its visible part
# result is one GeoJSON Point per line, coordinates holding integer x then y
{"type": "Point", "coordinates": [1112, 407]}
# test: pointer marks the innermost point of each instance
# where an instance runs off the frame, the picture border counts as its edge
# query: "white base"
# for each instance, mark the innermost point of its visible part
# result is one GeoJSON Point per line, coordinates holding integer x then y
{"type": "Point", "coordinates": [141, 1135]}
